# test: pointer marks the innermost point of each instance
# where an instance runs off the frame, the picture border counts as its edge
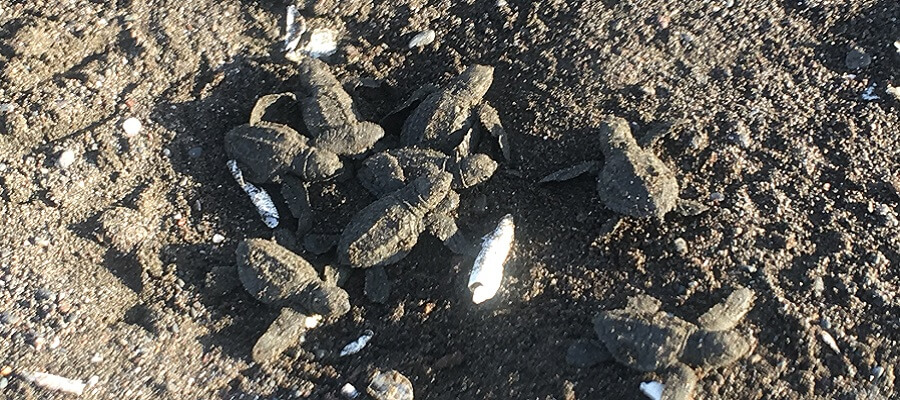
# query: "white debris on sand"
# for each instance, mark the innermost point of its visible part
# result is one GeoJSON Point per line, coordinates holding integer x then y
{"type": "Point", "coordinates": [349, 391]}
{"type": "Point", "coordinates": [263, 202]}
{"type": "Point", "coordinates": [322, 42]}
{"type": "Point", "coordinates": [357, 345]}
{"type": "Point", "coordinates": [829, 340]}
{"type": "Point", "coordinates": [55, 382]}
{"type": "Point", "coordinates": [487, 272]}
{"type": "Point", "coordinates": [131, 126]}
{"type": "Point", "coordinates": [653, 389]}
{"type": "Point", "coordinates": [893, 91]}
{"type": "Point", "coordinates": [869, 93]}
{"type": "Point", "coordinates": [66, 159]}
{"type": "Point", "coordinates": [218, 238]}
{"type": "Point", "coordinates": [422, 39]}
{"type": "Point", "coordinates": [294, 28]}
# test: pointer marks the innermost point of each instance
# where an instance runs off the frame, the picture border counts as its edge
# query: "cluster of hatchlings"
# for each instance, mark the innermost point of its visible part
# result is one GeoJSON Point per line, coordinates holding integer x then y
{"type": "Point", "coordinates": [415, 185]}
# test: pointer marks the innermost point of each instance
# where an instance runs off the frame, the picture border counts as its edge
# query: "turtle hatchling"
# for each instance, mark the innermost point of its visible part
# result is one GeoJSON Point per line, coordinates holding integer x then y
{"type": "Point", "coordinates": [329, 115]}
{"type": "Point", "coordinates": [633, 181]}
{"type": "Point", "coordinates": [386, 230]}
{"type": "Point", "coordinates": [444, 119]}
{"type": "Point", "coordinates": [274, 275]}
{"type": "Point", "coordinates": [644, 338]}
{"type": "Point", "coordinates": [390, 170]}
{"type": "Point", "coordinates": [265, 150]}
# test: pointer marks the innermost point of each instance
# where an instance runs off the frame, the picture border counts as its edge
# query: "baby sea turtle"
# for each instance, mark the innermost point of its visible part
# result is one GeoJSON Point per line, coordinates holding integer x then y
{"type": "Point", "coordinates": [390, 170]}
{"type": "Point", "coordinates": [644, 338]}
{"type": "Point", "coordinates": [274, 275]}
{"type": "Point", "coordinates": [445, 118]}
{"type": "Point", "coordinates": [633, 181]}
{"type": "Point", "coordinates": [386, 230]}
{"type": "Point", "coordinates": [266, 150]}
{"type": "Point", "coordinates": [329, 114]}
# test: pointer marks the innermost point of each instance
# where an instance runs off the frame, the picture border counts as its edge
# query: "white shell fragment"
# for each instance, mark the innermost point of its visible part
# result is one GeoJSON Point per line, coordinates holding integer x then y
{"type": "Point", "coordinates": [131, 126]}
{"type": "Point", "coordinates": [487, 272]}
{"type": "Point", "coordinates": [357, 345]}
{"type": "Point", "coordinates": [869, 93]}
{"type": "Point", "coordinates": [66, 159]}
{"type": "Point", "coordinates": [349, 391]}
{"type": "Point", "coordinates": [263, 202]}
{"type": "Point", "coordinates": [55, 382]}
{"type": "Point", "coordinates": [312, 321]}
{"type": "Point", "coordinates": [294, 28]}
{"type": "Point", "coordinates": [829, 340]}
{"type": "Point", "coordinates": [422, 39]}
{"type": "Point", "coordinates": [652, 389]}
{"type": "Point", "coordinates": [322, 42]}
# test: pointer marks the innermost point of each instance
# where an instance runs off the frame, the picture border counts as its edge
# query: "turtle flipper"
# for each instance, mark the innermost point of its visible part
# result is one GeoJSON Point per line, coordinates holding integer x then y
{"type": "Point", "coordinates": [284, 332]}
{"type": "Point", "coordinates": [490, 120]}
{"type": "Point", "coordinates": [572, 172]}
{"type": "Point", "coordinates": [689, 208]}
{"type": "Point", "coordinates": [444, 228]}
{"type": "Point", "coordinates": [587, 353]}
{"type": "Point", "coordinates": [680, 383]}
{"type": "Point", "coordinates": [266, 105]}
{"type": "Point", "coordinates": [726, 315]}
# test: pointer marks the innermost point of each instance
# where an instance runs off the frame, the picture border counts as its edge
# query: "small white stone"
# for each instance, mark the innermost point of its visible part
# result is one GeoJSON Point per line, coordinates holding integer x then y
{"type": "Point", "coordinates": [358, 344]}
{"type": "Point", "coordinates": [54, 343]}
{"type": "Point", "coordinates": [349, 391]}
{"type": "Point", "coordinates": [652, 389]}
{"type": "Point", "coordinates": [322, 42]}
{"type": "Point", "coordinates": [66, 159]}
{"type": "Point", "coordinates": [93, 380]}
{"type": "Point", "coordinates": [97, 358]}
{"type": "Point", "coordinates": [422, 39]}
{"type": "Point", "coordinates": [217, 238]}
{"type": "Point", "coordinates": [132, 126]}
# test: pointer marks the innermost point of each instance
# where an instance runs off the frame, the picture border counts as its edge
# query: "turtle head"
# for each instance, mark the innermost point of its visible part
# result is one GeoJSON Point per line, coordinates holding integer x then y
{"type": "Point", "coordinates": [473, 170]}
{"type": "Point", "coordinates": [316, 164]}
{"type": "Point", "coordinates": [615, 134]}
{"type": "Point", "coordinates": [328, 301]}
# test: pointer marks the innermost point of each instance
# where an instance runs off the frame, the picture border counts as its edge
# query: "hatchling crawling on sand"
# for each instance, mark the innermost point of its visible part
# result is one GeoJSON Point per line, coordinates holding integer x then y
{"type": "Point", "coordinates": [392, 169]}
{"type": "Point", "coordinates": [633, 181]}
{"type": "Point", "coordinates": [446, 118]}
{"type": "Point", "coordinates": [386, 230]}
{"type": "Point", "coordinates": [644, 338]}
{"type": "Point", "coordinates": [308, 148]}
{"type": "Point", "coordinates": [274, 275]}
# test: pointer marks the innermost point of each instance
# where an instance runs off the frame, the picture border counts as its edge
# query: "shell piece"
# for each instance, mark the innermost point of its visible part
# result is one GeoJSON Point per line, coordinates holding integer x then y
{"type": "Point", "coordinates": [653, 389]}
{"type": "Point", "coordinates": [55, 382]}
{"type": "Point", "coordinates": [487, 272]}
{"type": "Point", "coordinates": [275, 275]}
{"type": "Point", "coordinates": [329, 114]}
{"type": "Point", "coordinates": [439, 121]}
{"type": "Point", "coordinates": [633, 181]}
{"type": "Point", "coordinates": [358, 344]}
{"type": "Point", "coordinates": [386, 230]}
{"type": "Point", "coordinates": [390, 385]}
{"type": "Point", "coordinates": [727, 314]}
{"type": "Point", "coordinates": [422, 39]}
{"type": "Point", "coordinates": [259, 197]}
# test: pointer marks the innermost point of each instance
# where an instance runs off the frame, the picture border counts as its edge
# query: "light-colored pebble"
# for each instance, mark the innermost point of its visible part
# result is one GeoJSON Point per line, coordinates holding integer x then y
{"type": "Point", "coordinates": [217, 238]}
{"type": "Point", "coordinates": [681, 246]}
{"type": "Point", "coordinates": [97, 358]}
{"type": "Point", "coordinates": [422, 39]}
{"type": "Point", "coordinates": [349, 391]}
{"type": "Point", "coordinates": [131, 126]}
{"type": "Point", "coordinates": [66, 159]}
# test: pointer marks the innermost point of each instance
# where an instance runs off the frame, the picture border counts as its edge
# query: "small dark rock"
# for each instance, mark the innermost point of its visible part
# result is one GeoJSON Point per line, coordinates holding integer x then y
{"type": "Point", "coordinates": [857, 59]}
